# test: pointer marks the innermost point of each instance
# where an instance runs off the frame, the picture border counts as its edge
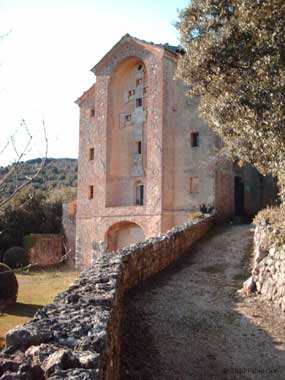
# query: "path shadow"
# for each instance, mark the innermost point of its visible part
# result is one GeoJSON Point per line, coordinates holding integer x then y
{"type": "Point", "coordinates": [169, 336]}
{"type": "Point", "coordinates": [22, 309]}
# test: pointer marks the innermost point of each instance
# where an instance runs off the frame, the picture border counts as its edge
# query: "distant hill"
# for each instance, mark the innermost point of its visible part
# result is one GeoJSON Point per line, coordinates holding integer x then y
{"type": "Point", "coordinates": [58, 173]}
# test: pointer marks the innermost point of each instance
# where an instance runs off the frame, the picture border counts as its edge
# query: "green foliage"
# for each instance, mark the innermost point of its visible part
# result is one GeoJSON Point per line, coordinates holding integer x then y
{"type": "Point", "coordinates": [8, 285]}
{"type": "Point", "coordinates": [63, 194]}
{"type": "Point", "coordinates": [273, 218]}
{"type": "Point", "coordinates": [29, 214]}
{"type": "Point", "coordinates": [15, 257]}
{"type": "Point", "coordinates": [235, 62]}
{"type": "Point", "coordinates": [56, 175]}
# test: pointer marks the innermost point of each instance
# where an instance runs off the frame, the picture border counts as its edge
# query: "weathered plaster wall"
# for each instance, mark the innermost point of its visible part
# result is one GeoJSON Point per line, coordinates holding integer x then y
{"type": "Point", "coordinates": [124, 166]}
{"type": "Point", "coordinates": [191, 162]}
{"type": "Point", "coordinates": [181, 161]}
{"type": "Point", "coordinates": [69, 228]}
{"type": "Point", "coordinates": [78, 335]}
{"type": "Point", "coordinates": [44, 249]}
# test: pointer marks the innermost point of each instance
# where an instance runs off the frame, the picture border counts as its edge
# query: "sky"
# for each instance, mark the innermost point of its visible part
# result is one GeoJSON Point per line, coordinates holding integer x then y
{"type": "Point", "coordinates": [47, 49]}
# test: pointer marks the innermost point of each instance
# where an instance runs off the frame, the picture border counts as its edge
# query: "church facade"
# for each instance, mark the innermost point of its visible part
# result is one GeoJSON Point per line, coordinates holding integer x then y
{"type": "Point", "coordinates": [146, 158]}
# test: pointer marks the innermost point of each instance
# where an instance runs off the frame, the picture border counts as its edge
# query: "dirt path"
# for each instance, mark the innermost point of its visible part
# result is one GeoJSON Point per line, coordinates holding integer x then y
{"type": "Point", "coordinates": [189, 323]}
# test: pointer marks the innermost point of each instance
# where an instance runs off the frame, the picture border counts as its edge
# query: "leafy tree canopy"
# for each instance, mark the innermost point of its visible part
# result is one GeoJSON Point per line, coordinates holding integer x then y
{"type": "Point", "coordinates": [235, 62]}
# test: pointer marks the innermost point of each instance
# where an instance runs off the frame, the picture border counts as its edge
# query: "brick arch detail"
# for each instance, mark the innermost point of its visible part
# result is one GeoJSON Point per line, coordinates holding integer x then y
{"type": "Point", "coordinates": [112, 233]}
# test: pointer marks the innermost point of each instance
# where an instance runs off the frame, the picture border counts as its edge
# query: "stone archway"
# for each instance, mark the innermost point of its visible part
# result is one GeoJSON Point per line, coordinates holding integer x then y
{"type": "Point", "coordinates": [122, 234]}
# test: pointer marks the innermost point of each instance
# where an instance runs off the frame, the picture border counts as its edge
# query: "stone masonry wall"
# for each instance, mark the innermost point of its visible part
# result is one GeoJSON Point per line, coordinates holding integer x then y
{"type": "Point", "coordinates": [78, 335]}
{"type": "Point", "coordinates": [268, 274]}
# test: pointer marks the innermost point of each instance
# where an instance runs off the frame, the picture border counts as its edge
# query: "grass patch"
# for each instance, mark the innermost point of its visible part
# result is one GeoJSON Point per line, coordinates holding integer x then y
{"type": "Point", "coordinates": [37, 288]}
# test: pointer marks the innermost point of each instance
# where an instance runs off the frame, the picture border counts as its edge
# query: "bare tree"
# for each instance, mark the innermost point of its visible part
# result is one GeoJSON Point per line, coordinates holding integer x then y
{"type": "Point", "coordinates": [19, 154]}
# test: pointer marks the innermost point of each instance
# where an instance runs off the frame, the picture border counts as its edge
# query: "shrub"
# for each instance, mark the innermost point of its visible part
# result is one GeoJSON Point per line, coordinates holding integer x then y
{"type": "Point", "coordinates": [28, 215]}
{"type": "Point", "coordinates": [8, 285]}
{"type": "Point", "coordinates": [195, 215]}
{"type": "Point", "coordinates": [273, 218]}
{"type": "Point", "coordinates": [15, 257]}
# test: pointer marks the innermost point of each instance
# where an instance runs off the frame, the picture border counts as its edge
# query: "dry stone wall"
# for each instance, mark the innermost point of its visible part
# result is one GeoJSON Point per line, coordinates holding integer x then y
{"type": "Point", "coordinates": [268, 274]}
{"type": "Point", "coordinates": [78, 335]}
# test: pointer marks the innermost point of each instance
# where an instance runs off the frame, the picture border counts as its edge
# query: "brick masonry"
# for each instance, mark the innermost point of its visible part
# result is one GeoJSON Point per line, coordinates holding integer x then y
{"type": "Point", "coordinates": [44, 249]}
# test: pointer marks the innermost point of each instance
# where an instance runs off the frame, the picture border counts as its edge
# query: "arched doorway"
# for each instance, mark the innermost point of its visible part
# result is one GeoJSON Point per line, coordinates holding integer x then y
{"type": "Point", "coordinates": [122, 234]}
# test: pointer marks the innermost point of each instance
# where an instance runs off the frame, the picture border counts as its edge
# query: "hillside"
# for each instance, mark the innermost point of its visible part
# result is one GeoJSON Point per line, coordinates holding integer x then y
{"type": "Point", "coordinates": [57, 173]}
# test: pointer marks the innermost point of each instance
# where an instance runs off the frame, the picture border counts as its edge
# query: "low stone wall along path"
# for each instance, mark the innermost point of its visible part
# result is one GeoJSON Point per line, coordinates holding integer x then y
{"type": "Point", "coordinates": [189, 322]}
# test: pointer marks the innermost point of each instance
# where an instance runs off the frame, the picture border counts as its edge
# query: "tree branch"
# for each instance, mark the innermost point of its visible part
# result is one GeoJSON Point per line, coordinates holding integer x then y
{"type": "Point", "coordinates": [19, 158]}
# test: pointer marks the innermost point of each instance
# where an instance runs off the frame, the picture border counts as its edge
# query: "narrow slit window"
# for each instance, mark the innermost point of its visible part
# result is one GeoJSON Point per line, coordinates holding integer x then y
{"type": "Point", "coordinates": [139, 147]}
{"type": "Point", "coordinates": [194, 139]}
{"type": "Point", "coordinates": [91, 192]}
{"type": "Point", "coordinates": [91, 154]}
{"type": "Point", "coordinates": [139, 195]}
{"type": "Point", "coordinates": [139, 102]}
{"type": "Point", "coordinates": [139, 82]}
{"type": "Point", "coordinates": [92, 112]}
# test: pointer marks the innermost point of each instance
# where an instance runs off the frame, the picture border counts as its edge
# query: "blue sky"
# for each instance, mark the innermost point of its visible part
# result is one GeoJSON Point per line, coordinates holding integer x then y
{"type": "Point", "coordinates": [45, 61]}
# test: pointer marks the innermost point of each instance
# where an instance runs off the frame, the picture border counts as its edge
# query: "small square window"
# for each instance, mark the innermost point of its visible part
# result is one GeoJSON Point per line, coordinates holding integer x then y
{"type": "Point", "coordinates": [139, 102]}
{"type": "Point", "coordinates": [92, 112]}
{"type": "Point", "coordinates": [91, 154]}
{"type": "Point", "coordinates": [91, 192]}
{"type": "Point", "coordinates": [139, 147]}
{"type": "Point", "coordinates": [131, 93]}
{"type": "Point", "coordinates": [194, 139]}
{"type": "Point", "coordinates": [145, 89]}
{"type": "Point", "coordinates": [194, 185]}
{"type": "Point", "coordinates": [139, 82]}
{"type": "Point", "coordinates": [128, 117]}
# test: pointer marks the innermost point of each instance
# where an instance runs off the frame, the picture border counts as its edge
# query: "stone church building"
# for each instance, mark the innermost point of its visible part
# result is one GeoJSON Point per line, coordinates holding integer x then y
{"type": "Point", "coordinates": [146, 158]}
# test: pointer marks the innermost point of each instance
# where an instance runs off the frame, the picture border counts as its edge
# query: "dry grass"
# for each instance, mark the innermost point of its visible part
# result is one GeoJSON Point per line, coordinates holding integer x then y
{"type": "Point", "coordinates": [36, 288]}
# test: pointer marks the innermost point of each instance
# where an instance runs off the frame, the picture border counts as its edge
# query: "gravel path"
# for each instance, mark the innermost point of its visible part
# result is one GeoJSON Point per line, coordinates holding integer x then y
{"type": "Point", "coordinates": [189, 322]}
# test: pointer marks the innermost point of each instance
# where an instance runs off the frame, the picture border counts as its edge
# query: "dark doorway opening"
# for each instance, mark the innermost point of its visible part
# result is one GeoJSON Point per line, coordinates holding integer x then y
{"type": "Point", "coordinates": [239, 197]}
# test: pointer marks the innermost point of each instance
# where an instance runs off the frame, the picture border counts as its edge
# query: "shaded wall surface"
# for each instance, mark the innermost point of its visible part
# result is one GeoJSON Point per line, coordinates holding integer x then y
{"type": "Point", "coordinates": [69, 228]}
{"type": "Point", "coordinates": [258, 191]}
{"type": "Point", "coordinates": [78, 335]}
